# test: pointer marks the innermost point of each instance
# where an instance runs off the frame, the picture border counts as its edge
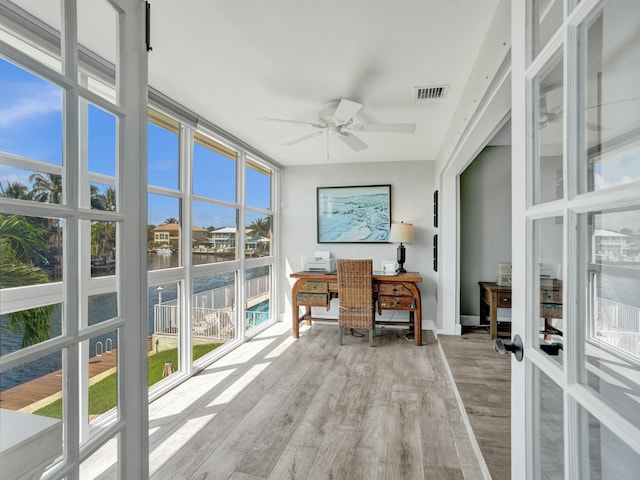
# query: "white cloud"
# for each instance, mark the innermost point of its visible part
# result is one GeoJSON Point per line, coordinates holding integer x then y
{"type": "Point", "coordinates": [27, 109]}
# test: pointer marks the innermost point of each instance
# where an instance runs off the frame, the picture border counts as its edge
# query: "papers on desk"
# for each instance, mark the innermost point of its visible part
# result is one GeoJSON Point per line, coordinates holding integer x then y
{"type": "Point", "coordinates": [384, 273]}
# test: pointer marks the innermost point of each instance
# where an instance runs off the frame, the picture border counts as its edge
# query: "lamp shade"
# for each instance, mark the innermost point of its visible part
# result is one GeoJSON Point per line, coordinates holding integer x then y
{"type": "Point", "coordinates": [401, 233]}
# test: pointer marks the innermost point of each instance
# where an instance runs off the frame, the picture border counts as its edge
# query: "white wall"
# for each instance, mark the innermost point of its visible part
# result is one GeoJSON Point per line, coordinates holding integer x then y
{"type": "Point", "coordinates": [412, 185]}
{"type": "Point", "coordinates": [485, 223]}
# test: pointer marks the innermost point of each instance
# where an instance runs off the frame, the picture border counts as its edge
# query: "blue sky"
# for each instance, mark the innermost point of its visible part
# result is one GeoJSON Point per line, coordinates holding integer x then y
{"type": "Point", "coordinates": [31, 126]}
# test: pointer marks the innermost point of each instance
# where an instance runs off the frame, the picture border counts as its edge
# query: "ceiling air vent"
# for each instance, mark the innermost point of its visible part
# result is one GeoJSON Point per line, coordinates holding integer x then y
{"type": "Point", "coordinates": [430, 93]}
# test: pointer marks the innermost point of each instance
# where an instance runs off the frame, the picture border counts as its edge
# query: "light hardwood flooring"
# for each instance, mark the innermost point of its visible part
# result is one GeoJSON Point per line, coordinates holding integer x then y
{"type": "Point", "coordinates": [278, 408]}
{"type": "Point", "coordinates": [483, 381]}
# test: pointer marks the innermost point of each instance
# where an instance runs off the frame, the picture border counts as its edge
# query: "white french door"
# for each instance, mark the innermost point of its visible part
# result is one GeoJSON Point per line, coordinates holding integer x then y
{"type": "Point", "coordinates": [576, 239]}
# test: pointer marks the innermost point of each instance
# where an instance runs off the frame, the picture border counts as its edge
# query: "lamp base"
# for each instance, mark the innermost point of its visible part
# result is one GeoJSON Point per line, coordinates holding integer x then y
{"type": "Point", "coordinates": [401, 258]}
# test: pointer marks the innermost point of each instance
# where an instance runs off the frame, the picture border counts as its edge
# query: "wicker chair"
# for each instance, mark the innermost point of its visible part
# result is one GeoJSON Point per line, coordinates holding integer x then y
{"type": "Point", "coordinates": [355, 292]}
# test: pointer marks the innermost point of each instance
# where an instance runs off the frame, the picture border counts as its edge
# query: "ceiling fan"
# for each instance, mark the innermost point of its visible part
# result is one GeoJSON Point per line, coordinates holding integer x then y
{"type": "Point", "coordinates": [337, 118]}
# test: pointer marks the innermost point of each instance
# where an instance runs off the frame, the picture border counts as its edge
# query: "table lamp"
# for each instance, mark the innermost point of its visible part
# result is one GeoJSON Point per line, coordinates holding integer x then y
{"type": "Point", "coordinates": [402, 233]}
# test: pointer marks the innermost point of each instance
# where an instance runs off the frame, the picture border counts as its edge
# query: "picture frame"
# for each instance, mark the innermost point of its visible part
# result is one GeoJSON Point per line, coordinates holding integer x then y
{"type": "Point", "coordinates": [388, 266]}
{"type": "Point", "coordinates": [435, 209]}
{"type": "Point", "coordinates": [354, 214]}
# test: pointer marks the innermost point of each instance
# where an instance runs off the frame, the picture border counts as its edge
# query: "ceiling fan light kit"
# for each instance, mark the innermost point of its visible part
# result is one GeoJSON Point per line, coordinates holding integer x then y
{"type": "Point", "coordinates": [337, 117]}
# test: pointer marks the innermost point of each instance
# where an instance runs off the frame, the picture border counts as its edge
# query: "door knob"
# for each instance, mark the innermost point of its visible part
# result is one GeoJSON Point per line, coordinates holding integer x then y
{"type": "Point", "coordinates": [514, 347]}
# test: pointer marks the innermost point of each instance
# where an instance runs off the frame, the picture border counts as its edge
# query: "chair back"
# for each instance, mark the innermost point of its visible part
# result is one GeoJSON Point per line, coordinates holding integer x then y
{"type": "Point", "coordinates": [355, 292]}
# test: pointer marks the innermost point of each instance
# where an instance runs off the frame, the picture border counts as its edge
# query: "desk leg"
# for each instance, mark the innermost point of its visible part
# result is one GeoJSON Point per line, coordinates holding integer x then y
{"type": "Point", "coordinates": [295, 324]}
{"type": "Point", "coordinates": [493, 316]}
{"type": "Point", "coordinates": [417, 322]}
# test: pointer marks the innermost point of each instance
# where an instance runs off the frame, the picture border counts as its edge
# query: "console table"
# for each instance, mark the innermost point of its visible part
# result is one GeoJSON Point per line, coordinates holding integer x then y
{"type": "Point", "coordinates": [494, 296]}
{"type": "Point", "coordinates": [399, 292]}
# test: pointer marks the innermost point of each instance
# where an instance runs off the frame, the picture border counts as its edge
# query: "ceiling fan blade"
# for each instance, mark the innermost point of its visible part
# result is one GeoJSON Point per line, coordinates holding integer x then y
{"type": "Point", "coordinates": [302, 139]}
{"type": "Point", "coordinates": [345, 111]}
{"type": "Point", "coordinates": [294, 122]}
{"type": "Point", "coordinates": [352, 141]}
{"type": "Point", "coordinates": [384, 127]}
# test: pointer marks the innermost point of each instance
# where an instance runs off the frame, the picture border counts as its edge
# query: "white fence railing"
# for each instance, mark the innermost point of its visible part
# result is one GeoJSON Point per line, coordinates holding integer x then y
{"type": "Point", "coordinates": [618, 324]}
{"type": "Point", "coordinates": [212, 312]}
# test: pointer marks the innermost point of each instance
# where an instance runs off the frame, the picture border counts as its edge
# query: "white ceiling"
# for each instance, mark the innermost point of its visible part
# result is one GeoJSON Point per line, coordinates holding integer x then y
{"type": "Point", "coordinates": [235, 62]}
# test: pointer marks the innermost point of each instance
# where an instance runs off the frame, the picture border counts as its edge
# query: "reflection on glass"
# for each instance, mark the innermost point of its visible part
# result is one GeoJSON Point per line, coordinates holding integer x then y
{"type": "Point", "coordinates": [258, 240]}
{"type": "Point", "coordinates": [34, 387]}
{"type": "Point", "coordinates": [610, 273]}
{"type": "Point", "coordinates": [214, 169]}
{"type": "Point", "coordinates": [30, 250]}
{"type": "Point", "coordinates": [103, 249]}
{"type": "Point", "coordinates": [549, 311]}
{"type": "Point", "coordinates": [258, 296]}
{"type": "Point", "coordinates": [548, 425]}
{"type": "Point", "coordinates": [22, 184]}
{"type": "Point", "coordinates": [102, 366]}
{"type": "Point", "coordinates": [24, 328]}
{"type": "Point", "coordinates": [163, 232]}
{"type": "Point", "coordinates": [101, 144]}
{"type": "Point", "coordinates": [31, 124]}
{"type": "Point", "coordinates": [103, 197]}
{"type": "Point", "coordinates": [608, 456]}
{"type": "Point", "coordinates": [258, 181]}
{"type": "Point", "coordinates": [95, 466]}
{"type": "Point", "coordinates": [548, 172]}
{"type": "Point", "coordinates": [102, 307]}
{"type": "Point", "coordinates": [213, 317]}
{"type": "Point", "coordinates": [163, 151]}
{"type": "Point", "coordinates": [163, 326]}
{"type": "Point", "coordinates": [547, 18]}
{"type": "Point", "coordinates": [217, 241]}
{"type": "Point", "coordinates": [611, 101]}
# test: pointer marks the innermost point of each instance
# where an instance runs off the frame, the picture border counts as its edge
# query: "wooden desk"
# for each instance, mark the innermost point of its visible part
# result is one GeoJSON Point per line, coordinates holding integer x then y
{"type": "Point", "coordinates": [494, 296]}
{"type": "Point", "coordinates": [400, 292]}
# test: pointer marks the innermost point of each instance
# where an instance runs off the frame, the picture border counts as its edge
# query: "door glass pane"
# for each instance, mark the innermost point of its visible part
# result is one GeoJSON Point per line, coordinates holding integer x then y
{"type": "Point", "coordinates": [549, 329]}
{"type": "Point", "coordinates": [214, 312]}
{"type": "Point", "coordinates": [610, 305]}
{"type": "Point", "coordinates": [30, 250]}
{"type": "Point", "coordinates": [258, 181]}
{"type": "Point", "coordinates": [258, 296]}
{"type": "Point", "coordinates": [217, 240]}
{"type": "Point", "coordinates": [163, 326]}
{"type": "Point", "coordinates": [102, 307]}
{"type": "Point", "coordinates": [26, 372]}
{"type": "Point", "coordinates": [102, 366]}
{"type": "Point", "coordinates": [548, 427]}
{"type": "Point", "coordinates": [103, 197]}
{"type": "Point", "coordinates": [548, 131]}
{"type": "Point", "coordinates": [546, 17]}
{"type": "Point", "coordinates": [101, 144]}
{"type": "Point", "coordinates": [258, 231]}
{"type": "Point", "coordinates": [103, 249]}
{"type": "Point", "coordinates": [607, 456]}
{"type": "Point", "coordinates": [214, 169]}
{"type": "Point", "coordinates": [31, 121]}
{"type": "Point", "coordinates": [163, 232]}
{"type": "Point", "coordinates": [611, 100]}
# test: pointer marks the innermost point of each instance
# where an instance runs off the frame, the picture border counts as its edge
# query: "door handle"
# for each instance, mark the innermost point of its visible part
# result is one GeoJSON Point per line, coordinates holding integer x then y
{"type": "Point", "coordinates": [514, 347]}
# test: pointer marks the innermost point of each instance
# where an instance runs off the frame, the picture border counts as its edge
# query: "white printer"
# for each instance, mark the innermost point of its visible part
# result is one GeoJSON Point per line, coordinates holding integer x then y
{"type": "Point", "coordinates": [320, 262]}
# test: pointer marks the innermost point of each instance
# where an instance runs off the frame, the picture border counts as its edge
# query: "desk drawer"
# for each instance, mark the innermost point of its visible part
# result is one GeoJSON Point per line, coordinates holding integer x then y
{"type": "Point", "coordinates": [396, 290]}
{"type": "Point", "coordinates": [550, 296]}
{"type": "Point", "coordinates": [313, 299]}
{"type": "Point", "coordinates": [387, 301]}
{"type": "Point", "coordinates": [315, 287]}
{"type": "Point", "coordinates": [504, 300]}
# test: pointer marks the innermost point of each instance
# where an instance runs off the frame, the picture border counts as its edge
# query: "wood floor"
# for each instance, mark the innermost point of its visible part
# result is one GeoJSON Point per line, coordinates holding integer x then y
{"type": "Point", "coordinates": [282, 409]}
{"type": "Point", "coordinates": [483, 380]}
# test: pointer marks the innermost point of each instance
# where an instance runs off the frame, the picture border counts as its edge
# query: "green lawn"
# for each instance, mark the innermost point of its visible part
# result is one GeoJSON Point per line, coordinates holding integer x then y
{"type": "Point", "coordinates": [102, 395]}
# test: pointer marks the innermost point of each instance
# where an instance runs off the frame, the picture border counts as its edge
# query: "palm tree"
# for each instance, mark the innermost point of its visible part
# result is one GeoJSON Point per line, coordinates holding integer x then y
{"type": "Point", "coordinates": [46, 187]}
{"type": "Point", "coordinates": [15, 190]}
{"type": "Point", "coordinates": [19, 241]}
{"type": "Point", "coordinates": [170, 220]}
{"type": "Point", "coordinates": [261, 226]}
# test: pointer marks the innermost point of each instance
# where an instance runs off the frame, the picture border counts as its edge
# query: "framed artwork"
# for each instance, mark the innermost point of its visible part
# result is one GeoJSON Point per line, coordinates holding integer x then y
{"type": "Point", "coordinates": [358, 214]}
{"type": "Point", "coordinates": [435, 252]}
